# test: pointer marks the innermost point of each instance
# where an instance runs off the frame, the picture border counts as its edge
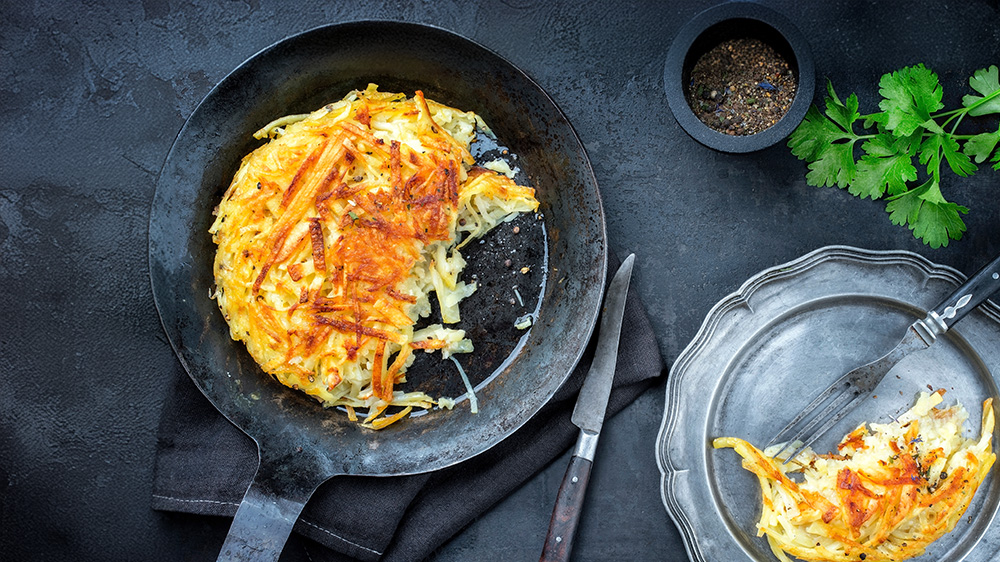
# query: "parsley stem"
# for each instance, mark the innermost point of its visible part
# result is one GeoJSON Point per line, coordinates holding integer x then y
{"type": "Point", "coordinates": [957, 121]}
{"type": "Point", "coordinates": [951, 113]}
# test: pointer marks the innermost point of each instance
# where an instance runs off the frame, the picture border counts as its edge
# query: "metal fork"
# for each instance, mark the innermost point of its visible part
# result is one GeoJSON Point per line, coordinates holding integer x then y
{"type": "Point", "coordinates": [841, 397]}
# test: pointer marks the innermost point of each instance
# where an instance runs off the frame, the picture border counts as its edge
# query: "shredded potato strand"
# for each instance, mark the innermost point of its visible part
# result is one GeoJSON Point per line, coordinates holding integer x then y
{"type": "Point", "coordinates": [884, 496]}
{"type": "Point", "coordinates": [332, 235]}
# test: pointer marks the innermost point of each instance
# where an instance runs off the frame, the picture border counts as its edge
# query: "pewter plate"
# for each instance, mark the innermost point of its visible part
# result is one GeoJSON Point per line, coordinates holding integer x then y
{"type": "Point", "coordinates": [764, 351]}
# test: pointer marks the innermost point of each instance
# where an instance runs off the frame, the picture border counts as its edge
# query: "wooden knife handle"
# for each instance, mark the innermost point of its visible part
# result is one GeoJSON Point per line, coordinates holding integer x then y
{"type": "Point", "coordinates": [566, 515]}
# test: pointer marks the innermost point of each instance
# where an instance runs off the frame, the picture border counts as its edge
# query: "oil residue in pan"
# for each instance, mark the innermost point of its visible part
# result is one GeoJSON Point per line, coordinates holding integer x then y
{"type": "Point", "coordinates": [509, 267]}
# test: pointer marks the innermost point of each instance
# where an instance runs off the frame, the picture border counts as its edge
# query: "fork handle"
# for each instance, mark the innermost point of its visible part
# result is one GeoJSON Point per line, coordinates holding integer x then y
{"type": "Point", "coordinates": [973, 293]}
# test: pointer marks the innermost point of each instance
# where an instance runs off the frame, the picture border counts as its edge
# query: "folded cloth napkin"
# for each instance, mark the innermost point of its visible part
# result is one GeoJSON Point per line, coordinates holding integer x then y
{"type": "Point", "coordinates": [204, 465]}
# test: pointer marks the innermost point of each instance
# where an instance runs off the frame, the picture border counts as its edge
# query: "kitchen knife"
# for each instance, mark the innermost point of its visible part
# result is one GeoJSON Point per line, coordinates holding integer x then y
{"type": "Point", "coordinates": [588, 415]}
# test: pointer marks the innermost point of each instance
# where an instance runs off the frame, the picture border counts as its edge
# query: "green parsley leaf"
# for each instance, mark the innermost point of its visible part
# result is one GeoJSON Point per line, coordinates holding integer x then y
{"type": "Point", "coordinates": [885, 168]}
{"type": "Point", "coordinates": [878, 119]}
{"type": "Point", "coordinates": [908, 129]}
{"type": "Point", "coordinates": [980, 146]}
{"type": "Point", "coordinates": [827, 142]}
{"type": "Point", "coordinates": [835, 166]}
{"type": "Point", "coordinates": [927, 214]}
{"type": "Point", "coordinates": [958, 161]}
{"type": "Point", "coordinates": [905, 207]}
{"type": "Point", "coordinates": [938, 147]}
{"type": "Point", "coordinates": [930, 154]}
{"type": "Point", "coordinates": [841, 113]}
{"type": "Point", "coordinates": [986, 81]}
{"type": "Point", "coordinates": [813, 135]}
{"type": "Point", "coordinates": [911, 95]}
{"type": "Point", "coordinates": [939, 222]}
{"type": "Point", "coordinates": [932, 126]}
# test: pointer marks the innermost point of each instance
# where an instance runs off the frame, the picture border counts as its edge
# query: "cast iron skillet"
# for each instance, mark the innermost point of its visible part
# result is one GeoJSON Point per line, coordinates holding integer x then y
{"type": "Point", "coordinates": [300, 444]}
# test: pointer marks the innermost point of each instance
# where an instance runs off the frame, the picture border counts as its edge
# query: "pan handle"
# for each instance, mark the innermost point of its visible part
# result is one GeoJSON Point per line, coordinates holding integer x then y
{"type": "Point", "coordinates": [266, 515]}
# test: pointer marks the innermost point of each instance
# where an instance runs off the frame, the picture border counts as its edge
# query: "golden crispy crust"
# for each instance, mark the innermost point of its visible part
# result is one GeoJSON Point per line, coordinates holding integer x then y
{"type": "Point", "coordinates": [332, 234]}
{"type": "Point", "coordinates": [884, 496]}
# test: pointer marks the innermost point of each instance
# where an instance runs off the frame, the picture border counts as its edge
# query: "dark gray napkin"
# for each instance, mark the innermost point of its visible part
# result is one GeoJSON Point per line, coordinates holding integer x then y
{"type": "Point", "coordinates": [204, 465]}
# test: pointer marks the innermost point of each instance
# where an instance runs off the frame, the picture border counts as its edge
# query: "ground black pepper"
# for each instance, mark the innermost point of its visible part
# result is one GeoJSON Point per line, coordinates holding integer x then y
{"type": "Point", "coordinates": [741, 87]}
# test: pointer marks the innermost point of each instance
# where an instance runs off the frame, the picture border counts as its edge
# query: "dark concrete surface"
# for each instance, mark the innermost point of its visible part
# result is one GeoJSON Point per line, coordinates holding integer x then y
{"type": "Point", "coordinates": [92, 95]}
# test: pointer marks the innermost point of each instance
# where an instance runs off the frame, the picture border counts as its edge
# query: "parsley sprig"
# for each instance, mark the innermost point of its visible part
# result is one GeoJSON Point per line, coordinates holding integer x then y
{"type": "Point", "coordinates": [910, 129]}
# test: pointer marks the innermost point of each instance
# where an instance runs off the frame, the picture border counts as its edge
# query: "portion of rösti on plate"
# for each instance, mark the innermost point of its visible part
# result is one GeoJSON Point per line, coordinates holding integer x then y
{"type": "Point", "coordinates": [885, 495]}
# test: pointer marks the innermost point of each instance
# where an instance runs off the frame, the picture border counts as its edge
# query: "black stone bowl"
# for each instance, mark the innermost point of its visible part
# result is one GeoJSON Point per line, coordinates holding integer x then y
{"type": "Point", "coordinates": [735, 20]}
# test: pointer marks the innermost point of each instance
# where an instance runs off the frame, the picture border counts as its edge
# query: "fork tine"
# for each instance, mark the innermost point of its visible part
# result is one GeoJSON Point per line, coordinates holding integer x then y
{"type": "Point", "coordinates": [812, 407]}
{"type": "Point", "coordinates": [854, 386]}
{"type": "Point", "coordinates": [828, 425]}
{"type": "Point", "coordinates": [831, 409]}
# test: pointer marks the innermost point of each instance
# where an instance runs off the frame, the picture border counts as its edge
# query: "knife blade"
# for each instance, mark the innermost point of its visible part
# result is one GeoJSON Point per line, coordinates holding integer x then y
{"type": "Point", "coordinates": [588, 415]}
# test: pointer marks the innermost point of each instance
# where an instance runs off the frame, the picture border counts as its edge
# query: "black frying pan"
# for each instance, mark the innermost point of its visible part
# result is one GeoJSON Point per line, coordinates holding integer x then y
{"type": "Point", "coordinates": [301, 444]}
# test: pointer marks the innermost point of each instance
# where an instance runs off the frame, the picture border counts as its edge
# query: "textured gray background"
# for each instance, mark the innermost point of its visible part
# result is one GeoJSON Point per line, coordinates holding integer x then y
{"type": "Point", "coordinates": [93, 93]}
